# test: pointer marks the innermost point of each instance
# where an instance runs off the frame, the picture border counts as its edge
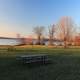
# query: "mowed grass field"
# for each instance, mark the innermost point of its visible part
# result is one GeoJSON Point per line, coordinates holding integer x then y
{"type": "Point", "coordinates": [65, 64]}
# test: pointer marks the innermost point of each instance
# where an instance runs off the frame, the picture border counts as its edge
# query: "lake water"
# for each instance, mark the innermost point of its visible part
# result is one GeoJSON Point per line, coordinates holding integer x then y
{"type": "Point", "coordinates": [9, 42]}
{"type": "Point", "coordinates": [18, 41]}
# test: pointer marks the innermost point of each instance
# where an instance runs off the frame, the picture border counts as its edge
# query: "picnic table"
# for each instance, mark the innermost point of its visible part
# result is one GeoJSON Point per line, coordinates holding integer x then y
{"type": "Point", "coordinates": [33, 58]}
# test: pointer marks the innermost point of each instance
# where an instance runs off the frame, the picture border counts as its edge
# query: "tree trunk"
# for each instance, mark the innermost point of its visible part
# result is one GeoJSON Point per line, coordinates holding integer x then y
{"type": "Point", "coordinates": [51, 41]}
{"type": "Point", "coordinates": [65, 43]}
{"type": "Point", "coordinates": [39, 40]}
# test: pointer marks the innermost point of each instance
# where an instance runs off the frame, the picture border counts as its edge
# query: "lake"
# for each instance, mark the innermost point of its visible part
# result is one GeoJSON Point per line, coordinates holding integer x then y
{"type": "Point", "coordinates": [10, 42]}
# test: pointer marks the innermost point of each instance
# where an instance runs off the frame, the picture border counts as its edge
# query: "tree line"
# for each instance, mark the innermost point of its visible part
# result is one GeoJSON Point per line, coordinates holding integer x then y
{"type": "Point", "coordinates": [64, 30]}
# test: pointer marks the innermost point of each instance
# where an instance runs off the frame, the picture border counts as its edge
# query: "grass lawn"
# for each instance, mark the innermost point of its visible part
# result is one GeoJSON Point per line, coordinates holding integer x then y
{"type": "Point", "coordinates": [65, 66]}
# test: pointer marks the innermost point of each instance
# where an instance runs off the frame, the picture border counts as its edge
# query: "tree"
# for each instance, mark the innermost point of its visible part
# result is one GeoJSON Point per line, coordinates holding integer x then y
{"type": "Point", "coordinates": [67, 30]}
{"type": "Point", "coordinates": [51, 30]}
{"type": "Point", "coordinates": [39, 30]}
{"type": "Point", "coordinates": [21, 39]}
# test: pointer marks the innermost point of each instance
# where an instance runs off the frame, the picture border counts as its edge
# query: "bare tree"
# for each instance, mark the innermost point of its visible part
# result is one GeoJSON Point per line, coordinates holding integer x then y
{"type": "Point", "coordinates": [39, 30]}
{"type": "Point", "coordinates": [67, 29]}
{"type": "Point", "coordinates": [51, 34]}
{"type": "Point", "coordinates": [21, 39]}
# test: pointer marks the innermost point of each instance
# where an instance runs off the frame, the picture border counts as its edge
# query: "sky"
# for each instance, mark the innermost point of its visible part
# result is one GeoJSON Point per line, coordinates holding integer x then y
{"type": "Point", "coordinates": [21, 16]}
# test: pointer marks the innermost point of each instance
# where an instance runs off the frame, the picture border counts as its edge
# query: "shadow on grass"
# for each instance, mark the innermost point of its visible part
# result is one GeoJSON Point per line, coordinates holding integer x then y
{"type": "Point", "coordinates": [34, 65]}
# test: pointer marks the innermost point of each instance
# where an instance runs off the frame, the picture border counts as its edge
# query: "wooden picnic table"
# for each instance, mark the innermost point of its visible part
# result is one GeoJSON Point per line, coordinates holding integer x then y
{"type": "Point", "coordinates": [44, 58]}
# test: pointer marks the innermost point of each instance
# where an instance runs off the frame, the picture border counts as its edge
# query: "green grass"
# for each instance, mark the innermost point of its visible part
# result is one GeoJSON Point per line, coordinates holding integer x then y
{"type": "Point", "coordinates": [65, 65]}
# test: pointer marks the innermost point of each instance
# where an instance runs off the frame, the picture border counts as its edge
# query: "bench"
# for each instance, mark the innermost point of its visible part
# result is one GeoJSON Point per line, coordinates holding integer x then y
{"type": "Point", "coordinates": [43, 58]}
